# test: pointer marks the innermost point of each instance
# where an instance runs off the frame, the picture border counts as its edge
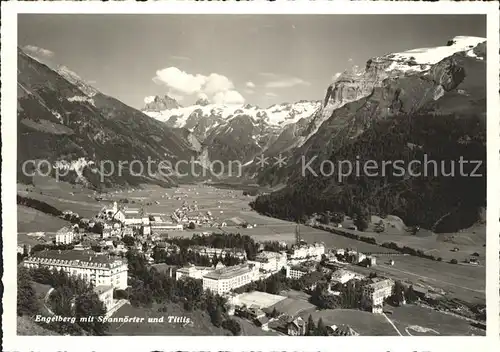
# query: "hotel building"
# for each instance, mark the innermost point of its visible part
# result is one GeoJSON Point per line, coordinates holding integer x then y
{"type": "Point", "coordinates": [269, 261]}
{"type": "Point", "coordinates": [375, 293]}
{"type": "Point", "coordinates": [225, 279]}
{"type": "Point", "coordinates": [99, 269]}
{"type": "Point", "coordinates": [306, 252]}
{"type": "Point", "coordinates": [65, 236]}
{"type": "Point", "coordinates": [194, 272]}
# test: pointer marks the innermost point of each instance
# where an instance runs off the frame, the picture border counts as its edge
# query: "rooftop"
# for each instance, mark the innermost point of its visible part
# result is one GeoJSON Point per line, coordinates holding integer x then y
{"type": "Point", "coordinates": [380, 284]}
{"type": "Point", "coordinates": [102, 288]}
{"type": "Point", "coordinates": [74, 255]}
{"type": "Point", "coordinates": [64, 230]}
{"type": "Point", "coordinates": [228, 272]}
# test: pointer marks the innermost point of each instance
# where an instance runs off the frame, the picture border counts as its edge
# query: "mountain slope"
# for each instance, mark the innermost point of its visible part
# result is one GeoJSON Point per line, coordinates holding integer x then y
{"type": "Point", "coordinates": [73, 126]}
{"type": "Point", "coordinates": [425, 103]}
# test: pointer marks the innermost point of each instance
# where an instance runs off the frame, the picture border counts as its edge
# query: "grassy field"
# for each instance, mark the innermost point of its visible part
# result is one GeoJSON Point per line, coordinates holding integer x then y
{"type": "Point", "coordinates": [201, 324]}
{"type": "Point", "coordinates": [409, 320]}
{"type": "Point", "coordinates": [32, 220]}
{"type": "Point", "coordinates": [468, 241]}
{"type": "Point", "coordinates": [414, 320]}
{"type": "Point", "coordinates": [364, 323]}
{"type": "Point", "coordinates": [459, 281]}
{"type": "Point", "coordinates": [292, 306]}
{"type": "Point", "coordinates": [27, 327]}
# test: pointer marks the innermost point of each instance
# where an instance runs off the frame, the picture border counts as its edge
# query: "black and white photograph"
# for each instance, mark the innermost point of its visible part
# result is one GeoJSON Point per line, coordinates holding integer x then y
{"type": "Point", "coordinates": [251, 174]}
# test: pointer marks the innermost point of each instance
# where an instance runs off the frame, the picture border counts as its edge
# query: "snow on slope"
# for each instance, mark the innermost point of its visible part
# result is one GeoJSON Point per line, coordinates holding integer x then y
{"type": "Point", "coordinates": [421, 59]}
{"type": "Point", "coordinates": [393, 65]}
{"type": "Point", "coordinates": [276, 115]}
{"type": "Point", "coordinates": [73, 78]}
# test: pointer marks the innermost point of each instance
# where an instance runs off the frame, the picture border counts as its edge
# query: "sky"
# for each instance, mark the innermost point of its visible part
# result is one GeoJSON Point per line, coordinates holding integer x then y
{"type": "Point", "coordinates": [255, 59]}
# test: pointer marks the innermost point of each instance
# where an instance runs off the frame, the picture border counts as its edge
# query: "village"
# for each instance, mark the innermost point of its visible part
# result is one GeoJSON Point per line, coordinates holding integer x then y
{"type": "Point", "coordinates": [193, 243]}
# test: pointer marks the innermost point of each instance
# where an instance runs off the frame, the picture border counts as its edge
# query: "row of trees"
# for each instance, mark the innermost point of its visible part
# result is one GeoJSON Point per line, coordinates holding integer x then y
{"type": "Point", "coordinates": [38, 205]}
{"type": "Point", "coordinates": [403, 294]}
{"type": "Point", "coordinates": [318, 329]}
{"type": "Point", "coordinates": [216, 240]}
{"type": "Point", "coordinates": [185, 256]}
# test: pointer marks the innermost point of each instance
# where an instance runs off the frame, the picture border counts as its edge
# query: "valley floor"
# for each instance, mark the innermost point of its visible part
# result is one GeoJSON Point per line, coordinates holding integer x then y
{"type": "Point", "coordinates": [464, 282]}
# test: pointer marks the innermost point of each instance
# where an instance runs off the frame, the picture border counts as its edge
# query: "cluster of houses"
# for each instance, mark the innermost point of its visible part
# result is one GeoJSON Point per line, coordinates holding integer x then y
{"type": "Point", "coordinates": [134, 220]}
{"type": "Point", "coordinates": [184, 215]}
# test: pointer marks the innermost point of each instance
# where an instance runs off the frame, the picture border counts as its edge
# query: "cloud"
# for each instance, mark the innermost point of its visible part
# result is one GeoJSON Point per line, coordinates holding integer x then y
{"type": "Point", "coordinates": [215, 87]}
{"type": "Point", "coordinates": [180, 81]}
{"type": "Point", "coordinates": [180, 58]}
{"type": "Point", "coordinates": [271, 95]}
{"type": "Point", "coordinates": [287, 83]}
{"type": "Point", "coordinates": [250, 85]}
{"type": "Point", "coordinates": [228, 97]}
{"type": "Point", "coordinates": [37, 51]}
{"type": "Point", "coordinates": [249, 91]}
{"type": "Point", "coordinates": [350, 59]}
{"type": "Point", "coordinates": [268, 75]}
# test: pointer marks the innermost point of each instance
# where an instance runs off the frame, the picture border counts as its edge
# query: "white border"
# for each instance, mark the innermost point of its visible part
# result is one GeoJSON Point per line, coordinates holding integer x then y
{"type": "Point", "coordinates": [9, 148]}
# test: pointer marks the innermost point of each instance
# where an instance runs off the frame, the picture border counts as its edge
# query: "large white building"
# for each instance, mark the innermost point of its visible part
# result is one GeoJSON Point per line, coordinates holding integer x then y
{"type": "Point", "coordinates": [194, 272]}
{"type": "Point", "coordinates": [65, 235]}
{"type": "Point", "coordinates": [105, 294]}
{"type": "Point", "coordinates": [218, 252]}
{"type": "Point", "coordinates": [270, 261]}
{"type": "Point", "coordinates": [297, 271]}
{"type": "Point", "coordinates": [228, 278]}
{"type": "Point", "coordinates": [375, 293]}
{"type": "Point", "coordinates": [343, 276]}
{"type": "Point", "coordinates": [133, 217]}
{"type": "Point", "coordinates": [306, 252]}
{"type": "Point", "coordinates": [97, 268]}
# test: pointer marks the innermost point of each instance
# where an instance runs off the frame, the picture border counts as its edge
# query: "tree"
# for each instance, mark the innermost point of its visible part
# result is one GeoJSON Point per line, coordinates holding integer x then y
{"type": "Point", "coordinates": [411, 296]}
{"type": "Point", "coordinates": [454, 261]}
{"type": "Point", "coordinates": [128, 240]}
{"type": "Point", "coordinates": [217, 317]}
{"type": "Point", "coordinates": [215, 259]}
{"type": "Point", "coordinates": [321, 328]}
{"type": "Point", "coordinates": [361, 220]}
{"type": "Point", "coordinates": [398, 293]}
{"type": "Point", "coordinates": [27, 303]}
{"type": "Point", "coordinates": [380, 226]}
{"type": "Point", "coordinates": [89, 305]}
{"type": "Point", "coordinates": [274, 313]}
{"type": "Point", "coordinates": [311, 327]}
{"type": "Point", "coordinates": [192, 226]}
{"type": "Point", "coordinates": [232, 325]}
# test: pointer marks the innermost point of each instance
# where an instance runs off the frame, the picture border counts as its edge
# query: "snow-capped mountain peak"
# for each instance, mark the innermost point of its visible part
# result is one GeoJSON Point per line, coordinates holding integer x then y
{"type": "Point", "coordinates": [421, 59]}
{"type": "Point", "coordinates": [276, 115]}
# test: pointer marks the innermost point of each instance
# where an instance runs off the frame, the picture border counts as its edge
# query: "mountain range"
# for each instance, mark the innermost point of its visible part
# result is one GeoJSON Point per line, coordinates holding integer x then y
{"type": "Point", "coordinates": [429, 101]}
{"type": "Point", "coordinates": [235, 132]}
